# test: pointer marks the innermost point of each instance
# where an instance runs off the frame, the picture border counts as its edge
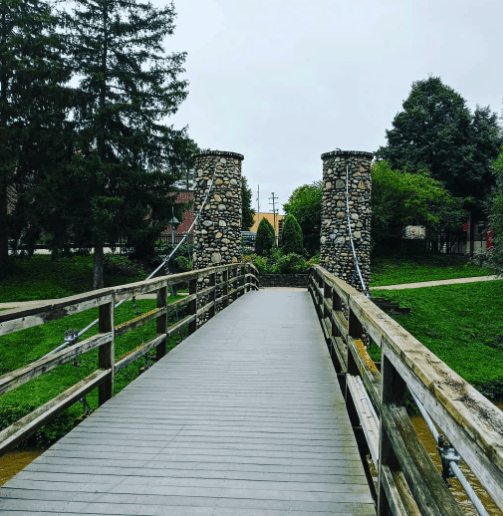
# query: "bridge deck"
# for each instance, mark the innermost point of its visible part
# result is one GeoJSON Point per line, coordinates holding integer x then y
{"type": "Point", "coordinates": [244, 418]}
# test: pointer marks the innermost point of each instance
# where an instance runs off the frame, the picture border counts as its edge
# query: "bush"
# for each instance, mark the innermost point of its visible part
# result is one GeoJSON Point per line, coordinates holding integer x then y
{"type": "Point", "coordinates": [183, 264]}
{"type": "Point", "coordinates": [291, 236]}
{"type": "Point", "coordinates": [266, 238]}
{"type": "Point", "coordinates": [279, 263]}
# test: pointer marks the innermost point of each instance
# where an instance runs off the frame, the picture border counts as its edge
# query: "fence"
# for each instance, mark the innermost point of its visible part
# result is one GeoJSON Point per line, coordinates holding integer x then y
{"type": "Point", "coordinates": [408, 481]}
{"type": "Point", "coordinates": [210, 290]}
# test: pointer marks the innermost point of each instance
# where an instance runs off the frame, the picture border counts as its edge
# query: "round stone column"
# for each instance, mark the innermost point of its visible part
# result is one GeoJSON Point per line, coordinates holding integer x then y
{"type": "Point", "coordinates": [336, 253]}
{"type": "Point", "coordinates": [217, 235]}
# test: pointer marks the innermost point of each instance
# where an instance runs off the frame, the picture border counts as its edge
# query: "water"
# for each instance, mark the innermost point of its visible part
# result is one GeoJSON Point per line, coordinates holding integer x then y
{"type": "Point", "coordinates": [429, 443]}
{"type": "Point", "coordinates": [13, 462]}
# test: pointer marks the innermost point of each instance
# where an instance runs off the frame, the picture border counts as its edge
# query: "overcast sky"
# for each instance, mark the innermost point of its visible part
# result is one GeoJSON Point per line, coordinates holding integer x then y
{"type": "Point", "coordinates": [282, 81]}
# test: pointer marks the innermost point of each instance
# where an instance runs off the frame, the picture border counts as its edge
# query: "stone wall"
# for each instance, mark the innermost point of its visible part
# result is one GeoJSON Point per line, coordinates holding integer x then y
{"type": "Point", "coordinates": [336, 253]}
{"type": "Point", "coordinates": [217, 235]}
{"type": "Point", "coordinates": [284, 280]}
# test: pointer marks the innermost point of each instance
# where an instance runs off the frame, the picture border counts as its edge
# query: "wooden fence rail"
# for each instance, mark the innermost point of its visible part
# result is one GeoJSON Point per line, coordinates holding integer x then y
{"type": "Point", "coordinates": [408, 483]}
{"type": "Point", "coordinates": [231, 281]}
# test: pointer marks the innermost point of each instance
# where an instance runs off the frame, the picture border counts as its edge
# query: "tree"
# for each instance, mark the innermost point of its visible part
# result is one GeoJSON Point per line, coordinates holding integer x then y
{"type": "Point", "coordinates": [246, 200]}
{"type": "Point", "coordinates": [291, 236]}
{"type": "Point", "coordinates": [496, 215]}
{"type": "Point", "coordinates": [400, 199]}
{"type": "Point", "coordinates": [33, 104]}
{"type": "Point", "coordinates": [266, 238]}
{"type": "Point", "coordinates": [305, 205]}
{"type": "Point", "coordinates": [126, 162]}
{"type": "Point", "coordinates": [437, 132]}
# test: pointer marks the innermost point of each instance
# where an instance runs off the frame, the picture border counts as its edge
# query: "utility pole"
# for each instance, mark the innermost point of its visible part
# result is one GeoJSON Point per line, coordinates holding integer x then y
{"type": "Point", "coordinates": [274, 211]}
{"type": "Point", "coordinates": [258, 205]}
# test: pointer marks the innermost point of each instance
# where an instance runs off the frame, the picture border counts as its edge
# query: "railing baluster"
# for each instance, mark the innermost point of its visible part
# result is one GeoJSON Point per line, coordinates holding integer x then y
{"type": "Point", "coordinates": [162, 321]}
{"type": "Point", "coordinates": [192, 308]}
{"type": "Point", "coordinates": [106, 352]}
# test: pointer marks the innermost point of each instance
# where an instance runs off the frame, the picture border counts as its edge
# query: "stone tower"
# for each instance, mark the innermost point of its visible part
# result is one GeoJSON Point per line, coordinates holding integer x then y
{"type": "Point", "coordinates": [217, 235]}
{"type": "Point", "coordinates": [336, 251]}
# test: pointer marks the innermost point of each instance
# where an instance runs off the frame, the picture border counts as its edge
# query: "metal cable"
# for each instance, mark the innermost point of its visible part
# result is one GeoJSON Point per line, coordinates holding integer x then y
{"type": "Point", "coordinates": [73, 340]}
{"type": "Point", "coordinates": [355, 258]}
{"type": "Point", "coordinates": [455, 468]}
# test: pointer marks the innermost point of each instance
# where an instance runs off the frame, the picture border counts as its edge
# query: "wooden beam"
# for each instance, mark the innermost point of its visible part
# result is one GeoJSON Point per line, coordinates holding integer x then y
{"type": "Point", "coordinates": [139, 352]}
{"type": "Point", "coordinates": [106, 352]}
{"type": "Point", "coordinates": [19, 431]}
{"type": "Point", "coordinates": [139, 321]}
{"type": "Point", "coordinates": [20, 376]}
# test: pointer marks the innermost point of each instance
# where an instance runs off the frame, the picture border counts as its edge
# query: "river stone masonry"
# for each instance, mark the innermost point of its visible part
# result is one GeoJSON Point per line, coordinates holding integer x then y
{"type": "Point", "coordinates": [217, 235]}
{"type": "Point", "coordinates": [336, 253]}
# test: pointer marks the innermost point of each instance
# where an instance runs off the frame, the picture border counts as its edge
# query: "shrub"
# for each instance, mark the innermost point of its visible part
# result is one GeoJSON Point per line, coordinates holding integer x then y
{"type": "Point", "coordinates": [266, 238]}
{"type": "Point", "coordinates": [183, 264]}
{"type": "Point", "coordinates": [291, 236]}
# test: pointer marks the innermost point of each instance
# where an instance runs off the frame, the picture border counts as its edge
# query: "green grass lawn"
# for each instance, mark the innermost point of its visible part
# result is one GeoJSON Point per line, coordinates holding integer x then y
{"type": "Point", "coordinates": [41, 278]}
{"type": "Point", "coordinates": [394, 268]}
{"type": "Point", "coordinates": [21, 348]}
{"type": "Point", "coordinates": [462, 325]}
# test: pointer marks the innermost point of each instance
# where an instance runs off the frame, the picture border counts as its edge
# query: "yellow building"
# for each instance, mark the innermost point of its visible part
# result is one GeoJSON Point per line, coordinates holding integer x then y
{"type": "Point", "coordinates": [270, 217]}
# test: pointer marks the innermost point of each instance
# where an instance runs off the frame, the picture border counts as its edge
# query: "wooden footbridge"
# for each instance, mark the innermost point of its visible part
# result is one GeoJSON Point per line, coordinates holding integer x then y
{"type": "Point", "coordinates": [253, 413]}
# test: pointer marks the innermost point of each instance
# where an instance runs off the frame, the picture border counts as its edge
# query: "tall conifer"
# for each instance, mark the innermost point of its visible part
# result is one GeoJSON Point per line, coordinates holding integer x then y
{"type": "Point", "coordinates": [33, 105]}
{"type": "Point", "coordinates": [127, 160]}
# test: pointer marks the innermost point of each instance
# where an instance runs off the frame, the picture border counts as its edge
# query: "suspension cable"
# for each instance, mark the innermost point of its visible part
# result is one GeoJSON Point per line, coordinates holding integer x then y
{"type": "Point", "coordinates": [451, 460]}
{"type": "Point", "coordinates": [75, 338]}
{"type": "Point", "coordinates": [355, 258]}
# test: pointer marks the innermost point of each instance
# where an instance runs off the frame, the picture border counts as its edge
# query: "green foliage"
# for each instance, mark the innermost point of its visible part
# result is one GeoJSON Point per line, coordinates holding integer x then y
{"type": "Point", "coordinates": [183, 264]}
{"type": "Point", "coordinates": [41, 278]}
{"type": "Point", "coordinates": [126, 160]}
{"type": "Point", "coordinates": [395, 268]}
{"type": "Point", "coordinates": [305, 205]}
{"type": "Point", "coordinates": [437, 132]}
{"type": "Point", "coordinates": [496, 215]}
{"type": "Point", "coordinates": [401, 198]}
{"type": "Point", "coordinates": [266, 239]}
{"type": "Point", "coordinates": [291, 236]}
{"type": "Point", "coordinates": [246, 203]}
{"type": "Point", "coordinates": [23, 347]}
{"type": "Point", "coordinates": [281, 263]}
{"type": "Point", "coordinates": [33, 107]}
{"type": "Point", "coordinates": [462, 325]}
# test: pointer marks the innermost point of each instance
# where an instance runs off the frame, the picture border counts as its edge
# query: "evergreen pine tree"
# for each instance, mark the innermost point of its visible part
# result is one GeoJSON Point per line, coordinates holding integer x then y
{"type": "Point", "coordinates": [128, 159]}
{"type": "Point", "coordinates": [246, 201]}
{"type": "Point", "coordinates": [33, 104]}
{"type": "Point", "coordinates": [266, 239]}
{"type": "Point", "coordinates": [291, 236]}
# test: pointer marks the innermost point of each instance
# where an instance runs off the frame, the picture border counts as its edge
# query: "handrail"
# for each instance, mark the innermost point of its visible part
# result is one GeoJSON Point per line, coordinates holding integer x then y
{"type": "Point", "coordinates": [408, 480]}
{"type": "Point", "coordinates": [210, 290]}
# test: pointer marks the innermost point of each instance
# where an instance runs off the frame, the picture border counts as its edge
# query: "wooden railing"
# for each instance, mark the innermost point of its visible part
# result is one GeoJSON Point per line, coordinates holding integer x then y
{"type": "Point", "coordinates": [408, 482]}
{"type": "Point", "coordinates": [227, 282]}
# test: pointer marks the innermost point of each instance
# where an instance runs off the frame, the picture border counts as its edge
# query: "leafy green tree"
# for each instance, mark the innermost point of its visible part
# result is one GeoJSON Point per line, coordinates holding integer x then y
{"type": "Point", "coordinates": [436, 131]}
{"type": "Point", "coordinates": [291, 236]}
{"type": "Point", "coordinates": [496, 215]}
{"type": "Point", "coordinates": [33, 105]}
{"type": "Point", "coordinates": [305, 205]}
{"type": "Point", "coordinates": [246, 200]}
{"type": "Point", "coordinates": [266, 238]}
{"type": "Point", "coordinates": [127, 160]}
{"type": "Point", "coordinates": [400, 199]}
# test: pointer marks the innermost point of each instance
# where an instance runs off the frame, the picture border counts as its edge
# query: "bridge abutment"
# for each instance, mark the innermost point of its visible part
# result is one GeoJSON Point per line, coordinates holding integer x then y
{"type": "Point", "coordinates": [217, 235]}
{"type": "Point", "coordinates": [351, 167]}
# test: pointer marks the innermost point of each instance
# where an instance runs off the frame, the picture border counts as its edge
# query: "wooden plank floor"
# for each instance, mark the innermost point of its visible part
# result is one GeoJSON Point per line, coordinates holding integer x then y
{"type": "Point", "coordinates": [244, 418]}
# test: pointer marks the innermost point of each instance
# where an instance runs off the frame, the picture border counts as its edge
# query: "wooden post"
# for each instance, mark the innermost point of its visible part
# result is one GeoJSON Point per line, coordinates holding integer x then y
{"type": "Point", "coordinates": [213, 295]}
{"type": "Point", "coordinates": [327, 293]}
{"type": "Point", "coordinates": [393, 390]}
{"type": "Point", "coordinates": [106, 358]}
{"type": "Point", "coordinates": [225, 288]}
{"type": "Point", "coordinates": [162, 321]}
{"type": "Point", "coordinates": [355, 331]}
{"type": "Point", "coordinates": [192, 306]}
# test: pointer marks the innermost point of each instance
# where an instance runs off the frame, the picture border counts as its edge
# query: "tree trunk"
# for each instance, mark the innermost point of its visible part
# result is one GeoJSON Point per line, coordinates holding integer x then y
{"type": "Point", "coordinates": [98, 266]}
{"type": "Point", "coordinates": [4, 226]}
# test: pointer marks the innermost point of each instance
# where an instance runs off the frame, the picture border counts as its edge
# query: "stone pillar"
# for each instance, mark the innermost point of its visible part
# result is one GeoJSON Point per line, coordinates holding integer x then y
{"type": "Point", "coordinates": [336, 253]}
{"type": "Point", "coordinates": [217, 235]}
